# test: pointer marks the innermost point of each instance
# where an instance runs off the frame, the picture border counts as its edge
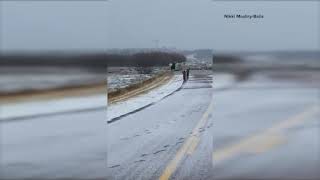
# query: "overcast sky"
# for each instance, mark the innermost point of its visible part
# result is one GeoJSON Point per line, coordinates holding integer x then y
{"type": "Point", "coordinates": [183, 24]}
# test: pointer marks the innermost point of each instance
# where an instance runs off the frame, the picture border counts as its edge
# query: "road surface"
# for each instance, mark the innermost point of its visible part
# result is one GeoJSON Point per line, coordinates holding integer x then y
{"type": "Point", "coordinates": [261, 128]}
{"type": "Point", "coordinates": [83, 145]}
{"type": "Point", "coordinates": [156, 142]}
{"type": "Point", "coordinates": [267, 127]}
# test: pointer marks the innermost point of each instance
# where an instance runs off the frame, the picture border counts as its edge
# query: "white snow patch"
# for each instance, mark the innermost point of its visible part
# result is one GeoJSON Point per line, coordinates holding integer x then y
{"type": "Point", "coordinates": [124, 107]}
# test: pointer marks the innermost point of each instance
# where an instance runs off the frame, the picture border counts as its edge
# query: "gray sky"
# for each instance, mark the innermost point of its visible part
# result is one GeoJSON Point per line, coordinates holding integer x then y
{"type": "Point", "coordinates": [184, 24]}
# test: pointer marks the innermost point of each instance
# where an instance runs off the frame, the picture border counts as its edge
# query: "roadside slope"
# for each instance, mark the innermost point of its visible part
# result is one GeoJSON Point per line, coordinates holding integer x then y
{"type": "Point", "coordinates": [85, 100]}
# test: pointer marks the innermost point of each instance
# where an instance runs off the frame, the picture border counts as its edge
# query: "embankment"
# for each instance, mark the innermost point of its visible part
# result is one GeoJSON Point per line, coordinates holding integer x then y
{"type": "Point", "coordinates": [87, 89]}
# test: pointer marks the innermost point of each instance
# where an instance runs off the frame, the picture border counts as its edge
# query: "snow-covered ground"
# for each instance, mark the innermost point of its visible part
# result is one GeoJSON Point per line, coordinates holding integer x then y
{"type": "Point", "coordinates": [99, 101]}
{"type": "Point", "coordinates": [198, 63]}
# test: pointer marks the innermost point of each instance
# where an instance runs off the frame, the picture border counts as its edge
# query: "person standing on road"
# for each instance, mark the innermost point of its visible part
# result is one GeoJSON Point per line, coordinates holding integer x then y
{"type": "Point", "coordinates": [188, 73]}
{"type": "Point", "coordinates": [184, 74]}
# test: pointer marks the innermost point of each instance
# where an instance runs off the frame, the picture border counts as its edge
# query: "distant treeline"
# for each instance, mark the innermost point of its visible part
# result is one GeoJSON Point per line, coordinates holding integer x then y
{"type": "Point", "coordinates": [91, 60]}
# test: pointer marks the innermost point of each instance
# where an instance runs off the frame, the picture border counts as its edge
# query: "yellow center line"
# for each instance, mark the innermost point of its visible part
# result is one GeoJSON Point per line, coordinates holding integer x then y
{"type": "Point", "coordinates": [188, 147]}
{"type": "Point", "coordinates": [263, 141]}
{"type": "Point", "coordinates": [193, 145]}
